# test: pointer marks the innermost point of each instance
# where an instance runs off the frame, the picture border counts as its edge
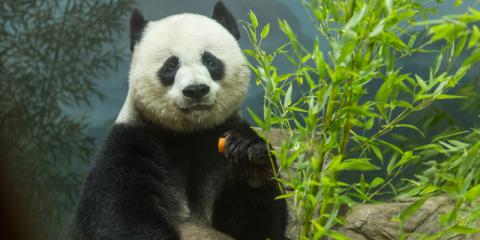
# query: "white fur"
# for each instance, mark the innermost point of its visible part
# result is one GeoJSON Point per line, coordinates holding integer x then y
{"type": "Point", "coordinates": [186, 36]}
{"type": "Point", "coordinates": [195, 231]}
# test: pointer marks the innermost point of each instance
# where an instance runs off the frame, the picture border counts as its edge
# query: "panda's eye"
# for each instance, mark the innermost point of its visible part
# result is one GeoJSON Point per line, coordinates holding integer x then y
{"type": "Point", "coordinates": [168, 71]}
{"type": "Point", "coordinates": [210, 63]}
{"type": "Point", "coordinates": [171, 64]}
{"type": "Point", "coordinates": [214, 65]}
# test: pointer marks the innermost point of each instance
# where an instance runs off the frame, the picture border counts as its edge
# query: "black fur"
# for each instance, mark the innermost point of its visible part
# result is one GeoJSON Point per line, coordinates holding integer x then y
{"type": "Point", "coordinates": [130, 192]}
{"type": "Point", "coordinates": [168, 71]}
{"type": "Point", "coordinates": [224, 17]}
{"type": "Point", "coordinates": [214, 65]}
{"type": "Point", "coordinates": [137, 25]}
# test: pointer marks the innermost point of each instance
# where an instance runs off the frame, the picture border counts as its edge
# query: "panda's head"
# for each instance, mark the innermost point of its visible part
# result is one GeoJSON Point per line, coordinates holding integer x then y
{"type": "Point", "coordinates": [188, 72]}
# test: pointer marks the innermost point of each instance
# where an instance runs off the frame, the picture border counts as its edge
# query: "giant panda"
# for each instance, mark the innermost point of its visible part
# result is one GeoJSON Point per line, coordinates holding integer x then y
{"type": "Point", "coordinates": [159, 174]}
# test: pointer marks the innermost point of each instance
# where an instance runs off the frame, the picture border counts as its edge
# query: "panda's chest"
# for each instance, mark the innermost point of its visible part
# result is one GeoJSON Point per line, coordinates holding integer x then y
{"type": "Point", "coordinates": [203, 171]}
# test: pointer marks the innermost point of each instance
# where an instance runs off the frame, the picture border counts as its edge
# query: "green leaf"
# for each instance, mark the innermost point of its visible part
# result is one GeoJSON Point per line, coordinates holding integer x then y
{"type": "Point", "coordinates": [250, 52]}
{"type": "Point", "coordinates": [460, 45]}
{"type": "Point", "coordinates": [333, 9]}
{"type": "Point", "coordinates": [296, 109]}
{"type": "Point", "coordinates": [355, 19]}
{"type": "Point", "coordinates": [439, 60]}
{"type": "Point", "coordinates": [474, 38]}
{"type": "Point", "coordinates": [378, 29]}
{"type": "Point", "coordinates": [377, 152]}
{"type": "Point", "coordinates": [254, 19]}
{"type": "Point", "coordinates": [404, 104]}
{"type": "Point", "coordinates": [406, 158]}
{"type": "Point", "coordinates": [306, 58]}
{"type": "Point", "coordinates": [376, 182]}
{"type": "Point", "coordinates": [449, 135]}
{"type": "Point", "coordinates": [412, 40]}
{"type": "Point", "coordinates": [255, 118]}
{"type": "Point", "coordinates": [473, 193]}
{"type": "Point", "coordinates": [288, 96]}
{"type": "Point", "coordinates": [388, 5]}
{"type": "Point", "coordinates": [420, 82]}
{"type": "Point", "coordinates": [465, 229]}
{"type": "Point", "coordinates": [445, 31]}
{"type": "Point", "coordinates": [265, 31]}
{"type": "Point", "coordinates": [429, 189]}
{"type": "Point", "coordinates": [411, 127]}
{"type": "Point", "coordinates": [335, 162]}
{"type": "Point", "coordinates": [383, 92]}
{"type": "Point", "coordinates": [448, 96]}
{"type": "Point", "coordinates": [391, 165]}
{"type": "Point", "coordinates": [337, 236]}
{"type": "Point", "coordinates": [346, 50]}
{"type": "Point", "coordinates": [360, 110]}
{"type": "Point", "coordinates": [473, 58]}
{"type": "Point", "coordinates": [394, 40]}
{"type": "Point", "coordinates": [285, 196]}
{"type": "Point", "coordinates": [411, 209]}
{"type": "Point", "coordinates": [397, 149]}
{"type": "Point", "coordinates": [358, 164]}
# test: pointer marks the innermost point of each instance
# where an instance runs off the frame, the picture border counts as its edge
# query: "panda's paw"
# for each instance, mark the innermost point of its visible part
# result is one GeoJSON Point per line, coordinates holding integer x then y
{"type": "Point", "coordinates": [246, 149]}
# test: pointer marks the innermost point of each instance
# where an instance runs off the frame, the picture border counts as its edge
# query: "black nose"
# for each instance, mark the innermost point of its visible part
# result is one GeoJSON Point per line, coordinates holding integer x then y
{"type": "Point", "coordinates": [196, 91]}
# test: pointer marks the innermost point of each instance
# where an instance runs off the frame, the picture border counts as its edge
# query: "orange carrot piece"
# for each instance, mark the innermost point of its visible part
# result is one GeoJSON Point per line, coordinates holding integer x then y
{"type": "Point", "coordinates": [221, 144]}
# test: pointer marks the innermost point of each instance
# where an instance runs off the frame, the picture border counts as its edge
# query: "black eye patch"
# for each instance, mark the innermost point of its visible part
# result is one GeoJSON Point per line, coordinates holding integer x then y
{"type": "Point", "coordinates": [168, 71]}
{"type": "Point", "coordinates": [214, 65]}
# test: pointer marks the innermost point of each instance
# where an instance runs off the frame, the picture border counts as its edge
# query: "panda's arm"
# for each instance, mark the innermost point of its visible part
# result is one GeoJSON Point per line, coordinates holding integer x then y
{"type": "Point", "coordinates": [128, 193]}
{"type": "Point", "coordinates": [246, 207]}
{"type": "Point", "coordinates": [249, 154]}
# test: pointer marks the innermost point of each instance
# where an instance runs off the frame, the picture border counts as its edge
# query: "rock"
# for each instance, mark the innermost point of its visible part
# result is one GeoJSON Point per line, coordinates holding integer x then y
{"type": "Point", "coordinates": [377, 221]}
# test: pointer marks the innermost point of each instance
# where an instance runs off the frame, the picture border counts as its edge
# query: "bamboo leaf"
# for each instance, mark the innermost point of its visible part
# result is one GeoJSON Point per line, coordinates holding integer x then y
{"type": "Point", "coordinates": [377, 152]}
{"type": "Point", "coordinates": [465, 229]}
{"type": "Point", "coordinates": [288, 96]}
{"type": "Point", "coordinates": [448, 96]}
{"type": "Point", "coordinates": [253, 18]}
{"type": "Point", "coordinates": [474, 38]}
{"type": "Point", "coordinates": [474, 58]}
{"type": "Point", "coordinates": [256, 118]}
{"type": "Point", "coordinates": [388, 5]}
{"type": "Point", "coordinates": [356, 18]}
{"type": "Point", "coordinates": [265, 31]}
{"type": "Point", "coordinates": [378, 29]}
{"type": "Point", "coordinates": [359, 164]}
{"type": "Point", "coordinates": [376, 182]}
{"type": "Point", "coordinates": [411, 127]}
{"type": "Point", "coordinates": [411, 209]}
{"type": "Point", "coordinates": [473, 193]}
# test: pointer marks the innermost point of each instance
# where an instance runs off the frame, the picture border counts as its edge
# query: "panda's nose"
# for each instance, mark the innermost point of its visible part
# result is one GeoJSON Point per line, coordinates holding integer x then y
{"type": "Point", "coordinates": [196, 91]}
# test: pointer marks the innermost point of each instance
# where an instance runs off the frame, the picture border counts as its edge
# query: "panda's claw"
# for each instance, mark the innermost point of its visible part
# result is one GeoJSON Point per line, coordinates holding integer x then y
{"type": "Point", "coordinates": [246, 150]}
{"type": "Point", "coordinates": [258, 153]}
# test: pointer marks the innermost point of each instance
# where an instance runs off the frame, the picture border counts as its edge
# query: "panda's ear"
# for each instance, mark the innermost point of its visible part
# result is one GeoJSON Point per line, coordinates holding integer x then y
{"type": "Point", "coordinates": [137, 25]}
{"type": "Point", "coordinates": [224, 17]}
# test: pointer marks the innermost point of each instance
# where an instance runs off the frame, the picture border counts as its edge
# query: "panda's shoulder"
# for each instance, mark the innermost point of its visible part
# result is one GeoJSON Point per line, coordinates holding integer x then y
{"type": "Point", "coordinates": [130, 134]}
{"type": "Point", "coordinates": [127, 141]}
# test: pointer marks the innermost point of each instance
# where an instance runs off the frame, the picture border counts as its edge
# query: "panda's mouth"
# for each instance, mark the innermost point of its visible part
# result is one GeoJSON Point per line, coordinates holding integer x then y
{"type": "Point", "coordinates": [197, 107]}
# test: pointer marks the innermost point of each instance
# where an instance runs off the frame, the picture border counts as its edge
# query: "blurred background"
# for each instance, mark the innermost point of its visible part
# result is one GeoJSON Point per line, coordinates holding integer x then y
{"type": "Point", "coordinates": [63, 79]}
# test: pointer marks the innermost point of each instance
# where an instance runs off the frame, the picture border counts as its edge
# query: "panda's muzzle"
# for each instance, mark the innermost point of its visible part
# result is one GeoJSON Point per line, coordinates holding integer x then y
{"type": "Point", "coordinates": [198, 107]}
{"type": "Point", "coordinates": [196, 92]}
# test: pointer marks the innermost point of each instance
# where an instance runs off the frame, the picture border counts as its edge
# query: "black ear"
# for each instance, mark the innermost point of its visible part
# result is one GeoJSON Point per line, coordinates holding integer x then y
{"type": "Point", "coordinates": [137, 25]}
{"type": "Point", "coordinates": [224, 17]}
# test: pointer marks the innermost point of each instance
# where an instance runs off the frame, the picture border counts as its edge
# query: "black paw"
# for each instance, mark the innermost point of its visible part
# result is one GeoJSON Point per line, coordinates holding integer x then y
{"type": "Point", "coordinates": [246, 148]}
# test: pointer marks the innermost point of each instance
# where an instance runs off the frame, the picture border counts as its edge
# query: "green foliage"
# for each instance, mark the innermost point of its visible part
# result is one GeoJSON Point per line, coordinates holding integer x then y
{"type": "Point", "coordinates": [52, 54]}
{"type": "Point", "coordinates": [335, 126]}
